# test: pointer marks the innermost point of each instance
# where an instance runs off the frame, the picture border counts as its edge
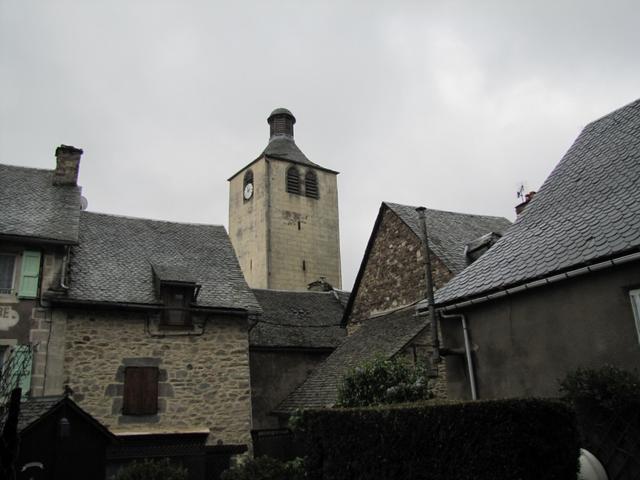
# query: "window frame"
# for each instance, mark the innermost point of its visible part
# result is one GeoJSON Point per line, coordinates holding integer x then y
{"type": "Point", "coordinates": [634, 296]}
{"type": "Point", "coordinates": [169, 291]}
{"type": "Point", "coordinates": [311, 179]}
{"type": "Point", "coordinates": [133, 401]}
{"type": "Point", "coordinates": [13, 288]}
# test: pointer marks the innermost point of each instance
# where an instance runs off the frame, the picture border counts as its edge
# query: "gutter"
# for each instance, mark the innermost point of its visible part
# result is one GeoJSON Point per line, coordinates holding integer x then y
{"type": "Point", "coordinates": [234, 312]}
{"type": "Point", "coordinates": [578, 272]}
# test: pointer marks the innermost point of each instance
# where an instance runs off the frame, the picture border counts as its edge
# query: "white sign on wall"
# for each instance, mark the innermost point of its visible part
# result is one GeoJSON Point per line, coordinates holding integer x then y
{"type": "Point", "coordinates": [8, 317]}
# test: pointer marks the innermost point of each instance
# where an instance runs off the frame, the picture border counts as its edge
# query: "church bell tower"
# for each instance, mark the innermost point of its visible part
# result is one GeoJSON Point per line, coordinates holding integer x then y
{"type": "Point", "coordinates": [283, 215]}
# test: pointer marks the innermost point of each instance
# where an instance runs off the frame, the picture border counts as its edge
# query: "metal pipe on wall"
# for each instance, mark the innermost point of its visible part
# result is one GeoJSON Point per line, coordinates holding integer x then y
{"type": "Point", "coordinates": [467, 351]}
{"type": "Point", "coordinates": [429, 285]}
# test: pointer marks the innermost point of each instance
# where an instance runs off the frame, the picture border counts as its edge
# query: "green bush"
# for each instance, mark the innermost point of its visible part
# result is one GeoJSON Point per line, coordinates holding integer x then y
{"type": "Point", "coordinates": [608, 387]}
{"type": "Point", "coordinates": [152, 470]}
{"type": "Point", "coordinates": [383, 381]}
{"type": "Point", "coordinates": [488, 440]}
{"type": "Point", "coordinates": [266, 468]}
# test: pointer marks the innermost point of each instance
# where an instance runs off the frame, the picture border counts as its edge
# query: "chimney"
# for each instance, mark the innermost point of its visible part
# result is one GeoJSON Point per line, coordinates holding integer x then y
{"type": "Point", "coordinates": [67, 165]}
{"type": "Point", "coordinates": [281, 123]}
{"type": "Point", "coordinates": [527, 198]}
{"type": "Point", "coordinates": [320, 285]}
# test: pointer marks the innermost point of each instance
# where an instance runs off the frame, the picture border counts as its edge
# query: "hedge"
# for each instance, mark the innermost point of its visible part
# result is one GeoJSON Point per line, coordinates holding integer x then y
{"type": "Point", "coordinates": [487, 440]}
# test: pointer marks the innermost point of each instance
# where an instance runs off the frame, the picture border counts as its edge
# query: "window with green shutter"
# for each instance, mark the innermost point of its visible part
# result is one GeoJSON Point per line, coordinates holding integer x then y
{"type": "Point", "coordinates": [30, 274]}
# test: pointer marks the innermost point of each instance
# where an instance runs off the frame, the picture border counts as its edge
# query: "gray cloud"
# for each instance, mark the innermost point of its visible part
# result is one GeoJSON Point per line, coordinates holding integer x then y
{"type": "Point", "coordinates": [446, 104]}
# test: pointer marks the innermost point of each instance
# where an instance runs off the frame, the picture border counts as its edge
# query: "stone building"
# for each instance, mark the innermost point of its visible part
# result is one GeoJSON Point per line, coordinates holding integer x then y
{"type": "Point", "coordinates": [380, 315]}
{"type": "Point", "coordinates": [38, 226]}
{"type": "Point", "coordinates": [143, 322]}
{"type": "Point", "coordinates": [392, 272]}
{"type": "Point", "coordinates": [283, 215]}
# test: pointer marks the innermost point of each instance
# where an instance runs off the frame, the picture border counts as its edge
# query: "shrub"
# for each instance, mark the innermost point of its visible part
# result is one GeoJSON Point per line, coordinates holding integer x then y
{"type": "Point", "coordinates": [608, 387]}
{"type": "Point", "coordinates": [152, 470]}
{"type": "Point", "coordinates": [488, 440]}
{"type": "Point", "coordinates": [383, 381]}
{"type": "Point", "coordinates": [266, 468]}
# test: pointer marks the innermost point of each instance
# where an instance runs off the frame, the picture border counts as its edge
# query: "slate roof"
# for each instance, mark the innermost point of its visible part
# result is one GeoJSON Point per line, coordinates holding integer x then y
{"type": "Point", "coordinates": [33, 207]}
{"type": "Point", "coordinates": [588, 210]}
{"type": "Point", "coordinates": [36, 408]}
{"type": "Point", "coordinates": [113, 262]}
{"type": "Point", "coordinates": [284, 147]}
{"type": "Point", "coordinates": [449, 232]}
{"type": "Point", "coordinates": [298, 319]}
{"type": "Point", "coordinates": [382, 336]}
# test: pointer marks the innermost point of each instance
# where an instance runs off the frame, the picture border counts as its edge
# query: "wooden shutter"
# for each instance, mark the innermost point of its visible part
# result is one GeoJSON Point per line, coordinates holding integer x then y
{"type": "Point", "coordinates": [140, 391]}
{"type": "Point", "coordinates": [29, 274]}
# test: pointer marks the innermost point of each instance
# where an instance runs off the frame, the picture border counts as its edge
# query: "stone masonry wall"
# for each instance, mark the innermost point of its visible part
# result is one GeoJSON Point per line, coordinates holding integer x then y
{"type": "Point", "coordinates": [203, 379]}
{"type": "Point", "coordinates": [420, 350]}
{"type": "Point", "coordinates": [394, 273]}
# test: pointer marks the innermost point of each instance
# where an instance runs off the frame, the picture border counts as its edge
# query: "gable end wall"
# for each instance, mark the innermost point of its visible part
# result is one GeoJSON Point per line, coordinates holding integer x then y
{"type": "Point", "coordinates": [394, 272]}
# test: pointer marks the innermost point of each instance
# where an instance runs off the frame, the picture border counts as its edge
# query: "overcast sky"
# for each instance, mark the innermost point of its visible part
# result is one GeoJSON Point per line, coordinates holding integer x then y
{"type": "Point", "coordinates": [450, 104]}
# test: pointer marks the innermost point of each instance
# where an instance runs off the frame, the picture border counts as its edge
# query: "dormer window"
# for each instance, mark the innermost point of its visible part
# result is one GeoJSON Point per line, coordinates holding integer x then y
{"type": "Point", "coordinates": [177, 302]}
{"type": "Point", "coordinates": [293, 181]}
{"type": "Point", "coordinates": [311, 184]}
{"type": "Point", "coordinates": [178, 291]}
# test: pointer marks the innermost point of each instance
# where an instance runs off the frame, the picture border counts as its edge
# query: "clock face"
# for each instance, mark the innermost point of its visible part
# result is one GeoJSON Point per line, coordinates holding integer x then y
{"type": "Point", "coordinates": [248, 191]}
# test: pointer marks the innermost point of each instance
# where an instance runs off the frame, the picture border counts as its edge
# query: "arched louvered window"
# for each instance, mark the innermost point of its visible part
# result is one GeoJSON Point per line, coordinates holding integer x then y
{"type": "Point", "coordinates": [248, 178]}
{"type": "Point", "coordinates": [293, 181]}
{"type": "Point", "coordinates": [311, 184]}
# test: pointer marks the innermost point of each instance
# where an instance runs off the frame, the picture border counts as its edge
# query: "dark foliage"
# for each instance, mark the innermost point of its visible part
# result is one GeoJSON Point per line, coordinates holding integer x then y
{"type": "Point", "coordinates": [503, 439]}
{"type": "Point", "coordinates": [383, 381]}
{"type": "Point", "coordinates": [609, 388]}
{"type": "Point", "coordinates": [266, 468]}
{"type": "Point", "coordinates": [152, 470]}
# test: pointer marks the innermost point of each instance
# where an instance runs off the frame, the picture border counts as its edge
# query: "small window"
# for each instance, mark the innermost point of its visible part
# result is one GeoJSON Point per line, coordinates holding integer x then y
{"type": "Point", "coordinates": [7, 272]}
{"type": "Point", "coordinates": [293, 181]}
{"type": "Point", "coordinates": [311, 184]}
{"type": "Point", "coordinates": [140, 391]}
{"type": "Point", "coordinates": [635, 305]}
{"type": "Point", "coordinates": [176, 303]}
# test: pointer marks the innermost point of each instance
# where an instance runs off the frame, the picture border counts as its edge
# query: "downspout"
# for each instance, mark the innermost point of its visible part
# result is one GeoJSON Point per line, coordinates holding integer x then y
{"type": "Point", "coordinates": [63, 271]}
{"type": "Point", "coordinates": [429, 285]}
{"type": "Point", "coordinates": [467, 351]}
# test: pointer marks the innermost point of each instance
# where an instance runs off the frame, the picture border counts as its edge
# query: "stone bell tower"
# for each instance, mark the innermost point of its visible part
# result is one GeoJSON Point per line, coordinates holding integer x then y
{"type": "Point", "coordinates": [283, 215]}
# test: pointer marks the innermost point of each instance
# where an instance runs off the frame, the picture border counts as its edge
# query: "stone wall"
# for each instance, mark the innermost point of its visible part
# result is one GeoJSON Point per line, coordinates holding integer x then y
{"type": "Point", "coordinates": [203, 378]}
{"type": "Point", "coordinates": [285, 241]}
{"type": "Point", "coordinates": [420, 350]}
{"type": "Point", "coordinates": [394, 272]}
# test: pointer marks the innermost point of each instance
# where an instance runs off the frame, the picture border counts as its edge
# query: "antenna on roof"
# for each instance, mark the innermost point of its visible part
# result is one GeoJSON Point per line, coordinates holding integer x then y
{"type": "Point", "coordinates": [520, 192]}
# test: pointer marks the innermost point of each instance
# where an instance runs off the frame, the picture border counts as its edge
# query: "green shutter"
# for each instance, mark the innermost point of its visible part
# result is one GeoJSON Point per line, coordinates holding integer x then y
{"type": "Point", "coordinates": [21, 367]}
{"type": "Point", "coordinates": [30, 273]}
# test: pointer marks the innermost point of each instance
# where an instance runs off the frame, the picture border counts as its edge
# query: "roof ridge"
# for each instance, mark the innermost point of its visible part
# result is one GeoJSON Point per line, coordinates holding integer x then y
{"type": "Point", "coordinates": [445, 211]}
{"type": "Point", "coordinates": [154, 220]}
{"type": "Point", "coordinates": [22, 167]}
{"type": "Point", "coordinates": [288, 291]}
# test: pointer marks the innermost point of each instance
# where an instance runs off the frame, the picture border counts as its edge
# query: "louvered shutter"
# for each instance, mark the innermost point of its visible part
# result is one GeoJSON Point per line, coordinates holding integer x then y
{"type": "Point", "coordinates": [29, 274]}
